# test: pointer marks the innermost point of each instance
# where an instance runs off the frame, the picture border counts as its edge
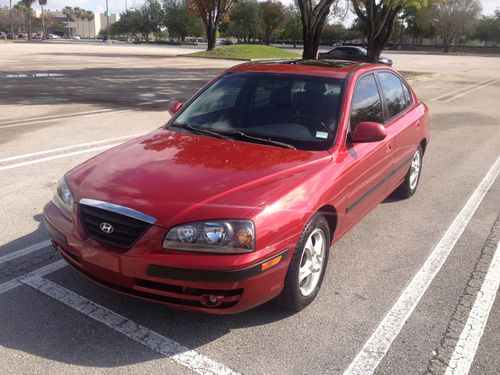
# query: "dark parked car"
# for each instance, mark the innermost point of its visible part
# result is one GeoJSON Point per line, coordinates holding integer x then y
{"type": "Point", "coordinates": [351, 53]}
{"type": "Point", "coordinates": [224, 42]}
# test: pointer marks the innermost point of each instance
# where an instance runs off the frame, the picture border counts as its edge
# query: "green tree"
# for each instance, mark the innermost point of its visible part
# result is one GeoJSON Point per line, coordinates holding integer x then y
{"type": "Point", "coordinates": [70, 16]}
{"type": "Point", "coordinates": [148, 18]}
{"type": "Point", "coordinates": [179, 21]}
{"type": "Point", "coordinates": [292, 28]}
{"type": "Point", "coordinates": [20, 17]}
{"type": "Point", "coordinates": [245, 20]}
{"type": "Point", "coordinates": [28, 4]}
{"type": "Point", "coordinates": [313, 14]}
{"type": "Point", "coordinates": [42, 3]}
{"type": "Point", "coordinates": [212, 13]}
{"type": "Point", "coordinates": [378, 19]}
{"type": "Point", "coordinates": [453, 18]}
{"type": "Point", "coordinates": [89, 16]}
{"type": "Point", "coordinates": [488, 28]}
{"type": "Point", "coordinates": [273, 15]}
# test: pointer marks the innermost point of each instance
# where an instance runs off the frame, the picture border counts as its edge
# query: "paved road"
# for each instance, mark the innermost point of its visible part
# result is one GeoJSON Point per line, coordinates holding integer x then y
{"type": "Point", "coordinates": [55, 320]}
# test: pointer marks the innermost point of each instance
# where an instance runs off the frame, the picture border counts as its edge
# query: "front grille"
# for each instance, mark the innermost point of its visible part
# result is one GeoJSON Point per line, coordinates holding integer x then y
{"type": "Point", "coordinates": [126, 230]}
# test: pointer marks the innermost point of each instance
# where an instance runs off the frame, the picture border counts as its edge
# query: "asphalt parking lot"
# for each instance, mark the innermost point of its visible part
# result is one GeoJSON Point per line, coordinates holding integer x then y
{"type": "Point", "coordinates": [409, 290]}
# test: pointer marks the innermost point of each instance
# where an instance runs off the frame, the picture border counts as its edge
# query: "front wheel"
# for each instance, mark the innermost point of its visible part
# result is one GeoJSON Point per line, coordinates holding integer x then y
{"type": "Point", "coordinates": [410, 183]}
{"type": "Point", "coordinates": [307, 266]}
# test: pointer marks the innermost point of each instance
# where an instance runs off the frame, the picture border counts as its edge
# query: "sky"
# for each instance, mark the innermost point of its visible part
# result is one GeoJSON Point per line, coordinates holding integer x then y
{"type": "Point", "coordinates": [117, 6]}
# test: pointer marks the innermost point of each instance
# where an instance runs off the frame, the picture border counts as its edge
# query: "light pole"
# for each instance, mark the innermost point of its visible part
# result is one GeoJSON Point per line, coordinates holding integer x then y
{"type": "Point", "coordinates": [107, 22]}
{"type": "Point", "coordinates": [126, 6]}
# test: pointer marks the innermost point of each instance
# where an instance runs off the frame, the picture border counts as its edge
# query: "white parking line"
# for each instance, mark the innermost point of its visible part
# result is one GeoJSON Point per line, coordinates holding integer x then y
{"type": "Point", "coordinates": [378, 344]}
{"type": "Point", "coordinates": [151, 339]}
{"type": "Point", "coordinates": [42, 271]}
{"type": "Point", "coordinates": [24, 156]}
{"type": "Point", "coordinates": [464, 90]}
{"type": "Point", "coordinates": [55, 117]}
{"type": "Point", "coordinates": [43, 120]}
{"type": "Point", "coordinates": [25, 251]}
{"type": "Point", "coordinates": [467, 344]}
{"type": "Point", "coordinates": [36, 161]}
{"type": "Point", "coordinates": [469, 91]}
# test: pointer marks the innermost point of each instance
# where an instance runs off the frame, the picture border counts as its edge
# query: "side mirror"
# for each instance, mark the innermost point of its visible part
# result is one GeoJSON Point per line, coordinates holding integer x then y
{"type": "Point", "coordinates": [367, 131]}
{"type": "Point", "coordinates": [174, 106]}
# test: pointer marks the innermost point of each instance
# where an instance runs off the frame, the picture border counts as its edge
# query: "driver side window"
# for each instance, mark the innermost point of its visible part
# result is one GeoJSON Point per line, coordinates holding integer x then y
{"type": "Point", "coordinates": [366, 104]}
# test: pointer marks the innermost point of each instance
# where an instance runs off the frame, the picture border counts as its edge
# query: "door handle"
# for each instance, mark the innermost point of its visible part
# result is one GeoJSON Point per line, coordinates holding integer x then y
{"type": "Point", "coordinates": [417, 124]}
{"type": "Point", "coordinates": [389, 147]}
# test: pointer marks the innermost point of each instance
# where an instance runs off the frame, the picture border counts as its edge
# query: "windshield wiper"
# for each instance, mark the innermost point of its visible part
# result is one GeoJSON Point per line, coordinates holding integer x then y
{"type": "Point", "coordinates": [201, 131]}
{"type": "Point", "coordinates": [263, 140]}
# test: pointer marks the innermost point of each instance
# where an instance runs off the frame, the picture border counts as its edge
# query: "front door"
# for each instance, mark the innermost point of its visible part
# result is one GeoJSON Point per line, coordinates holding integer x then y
{"type": "Point", "coordinates": [371, 164]}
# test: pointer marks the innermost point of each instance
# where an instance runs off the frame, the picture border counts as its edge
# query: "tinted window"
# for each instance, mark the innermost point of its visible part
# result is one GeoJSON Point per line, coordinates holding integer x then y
{"type": "Point", "coordinates": [392, 89]}
{"type": "Point", "coordinates": [366, 104]}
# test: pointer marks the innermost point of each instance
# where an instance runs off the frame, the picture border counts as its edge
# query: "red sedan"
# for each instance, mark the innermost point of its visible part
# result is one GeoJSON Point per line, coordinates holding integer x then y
{"type": "Point", "coordinates": [237, 200]}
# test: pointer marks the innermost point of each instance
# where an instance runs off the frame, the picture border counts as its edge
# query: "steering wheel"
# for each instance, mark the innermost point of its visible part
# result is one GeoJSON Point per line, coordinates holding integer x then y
{"type": "Point", "coordinates": [320, 125]}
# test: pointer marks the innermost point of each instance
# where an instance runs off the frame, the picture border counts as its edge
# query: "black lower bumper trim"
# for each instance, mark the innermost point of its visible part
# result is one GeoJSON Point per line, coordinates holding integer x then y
{"type": "Point", "coordinates": [58, 236]}
{"type": "Point", "coordinates": [184, 274]}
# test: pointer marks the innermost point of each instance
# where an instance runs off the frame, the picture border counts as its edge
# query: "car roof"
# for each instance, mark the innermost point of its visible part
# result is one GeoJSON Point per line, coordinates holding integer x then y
{"type": "Point", "coordinates": [350, 47]}
{"type": "Point", "coordinates": [321, 67]}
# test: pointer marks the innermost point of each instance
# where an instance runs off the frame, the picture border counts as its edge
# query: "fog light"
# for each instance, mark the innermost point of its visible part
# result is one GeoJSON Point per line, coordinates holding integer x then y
{"type": "Point", "coordinates": [211, 300]}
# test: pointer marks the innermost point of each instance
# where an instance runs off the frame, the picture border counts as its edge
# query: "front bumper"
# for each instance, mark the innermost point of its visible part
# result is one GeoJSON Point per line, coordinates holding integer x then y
{"type": "Point", "coordinates": [188, 281]}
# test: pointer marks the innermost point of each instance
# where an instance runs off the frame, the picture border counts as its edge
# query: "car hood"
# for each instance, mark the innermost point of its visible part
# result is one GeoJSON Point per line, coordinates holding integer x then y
{"type": "Point", "coordinates": [179, 177]}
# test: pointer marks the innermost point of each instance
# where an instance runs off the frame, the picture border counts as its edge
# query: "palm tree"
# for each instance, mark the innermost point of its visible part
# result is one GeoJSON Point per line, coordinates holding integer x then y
{"type": "Point", "coordinates": [70, 14]}
{"type": "Point", "coordinates": [10, 19]}
{"type": "Point", "coordinates": [89, 16]}
{"type": "Point", "coordinates": [28, 4]}
{"type": "Point", "coordinates": [78, 15]}
{"type": "Point", "coordinates": [42, 4]}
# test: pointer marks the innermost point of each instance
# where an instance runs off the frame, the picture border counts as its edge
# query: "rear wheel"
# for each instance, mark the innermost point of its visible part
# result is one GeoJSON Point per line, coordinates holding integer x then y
{"type": "Point", "coordinates": [308, 265]}
{"type": "Point", "coordinates": [410, 184]}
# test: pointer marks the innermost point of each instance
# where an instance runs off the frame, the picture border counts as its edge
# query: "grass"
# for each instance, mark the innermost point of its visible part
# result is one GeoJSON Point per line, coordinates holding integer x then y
{"type": "Point", "coordinates": [246, 52]}
{"type": "Point", "coordinates": [408, 74]}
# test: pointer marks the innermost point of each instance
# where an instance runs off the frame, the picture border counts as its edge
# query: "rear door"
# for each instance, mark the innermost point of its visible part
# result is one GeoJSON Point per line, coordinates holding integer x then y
{"type": "Point", "coordinates": [402, 121]}
{"type": "Point", "coordinates": [370, 163]}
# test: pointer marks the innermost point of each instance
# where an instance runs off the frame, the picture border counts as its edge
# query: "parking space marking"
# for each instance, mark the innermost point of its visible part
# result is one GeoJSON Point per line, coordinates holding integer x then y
{"type": "Point", "coordinates": [151, 339]}
{"type": "Point", "coordinates": [24, 156]}
{"type": "Point", "coordinates": [43, 120]}
{"type": "Point", "coordinates": [25, 251]}
{"type": "Point", "coordinates": [380, 341]}
{"type": "Point", "coordinates": [452, 95]}
{"type": "Point", "coordinates": [49, 158]}
{"type": "Point", "coordinates": [42, 271]}
{"type": "Point", "coordinates": [467, 344]}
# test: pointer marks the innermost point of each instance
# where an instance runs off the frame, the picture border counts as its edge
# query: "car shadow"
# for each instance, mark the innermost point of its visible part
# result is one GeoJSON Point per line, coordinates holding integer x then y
{"type": "Point", "coordinates": [38, 235]}
{"type": "Point", "coordinates": [42, 327]}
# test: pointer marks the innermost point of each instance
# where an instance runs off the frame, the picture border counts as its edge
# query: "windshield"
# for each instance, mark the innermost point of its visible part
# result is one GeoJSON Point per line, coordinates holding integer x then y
{"type": "Point", "coordinates": [294, 110]}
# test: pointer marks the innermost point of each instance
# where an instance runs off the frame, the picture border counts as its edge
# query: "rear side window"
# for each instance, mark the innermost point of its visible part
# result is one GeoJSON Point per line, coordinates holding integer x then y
{"type": "Point", "coordinates": [392, 89]}
{"type": "Point", "coordinates": [407, 94]}
{"type": "Point", "coordinates": [366, 104]}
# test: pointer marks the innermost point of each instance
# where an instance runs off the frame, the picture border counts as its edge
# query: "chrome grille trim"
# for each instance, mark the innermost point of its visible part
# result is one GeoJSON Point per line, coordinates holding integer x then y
{"type": "Point", "coordinates": [116, 208]}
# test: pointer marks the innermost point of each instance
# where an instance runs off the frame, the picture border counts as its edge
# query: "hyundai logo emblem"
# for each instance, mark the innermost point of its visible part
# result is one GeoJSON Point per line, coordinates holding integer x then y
{"type": "Point", "coordinates": [106, 228]}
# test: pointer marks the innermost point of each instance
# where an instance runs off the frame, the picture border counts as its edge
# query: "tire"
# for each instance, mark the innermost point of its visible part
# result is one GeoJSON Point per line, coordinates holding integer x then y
{"type": "Point", "coordinates": [410, 183]}
{"type": "Point", "coordinates": [298, 293]}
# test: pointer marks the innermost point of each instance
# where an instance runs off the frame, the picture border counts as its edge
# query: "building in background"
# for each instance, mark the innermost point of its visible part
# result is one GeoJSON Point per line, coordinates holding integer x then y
{"type": "Point", "coordinates": [82, 27]}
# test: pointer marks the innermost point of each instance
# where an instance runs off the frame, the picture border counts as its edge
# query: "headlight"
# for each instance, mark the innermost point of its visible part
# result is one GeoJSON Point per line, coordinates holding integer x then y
{"type": "Point", "coordinates": [63, 198]}
{"type": "Point", "coordinates": [213, 236]}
